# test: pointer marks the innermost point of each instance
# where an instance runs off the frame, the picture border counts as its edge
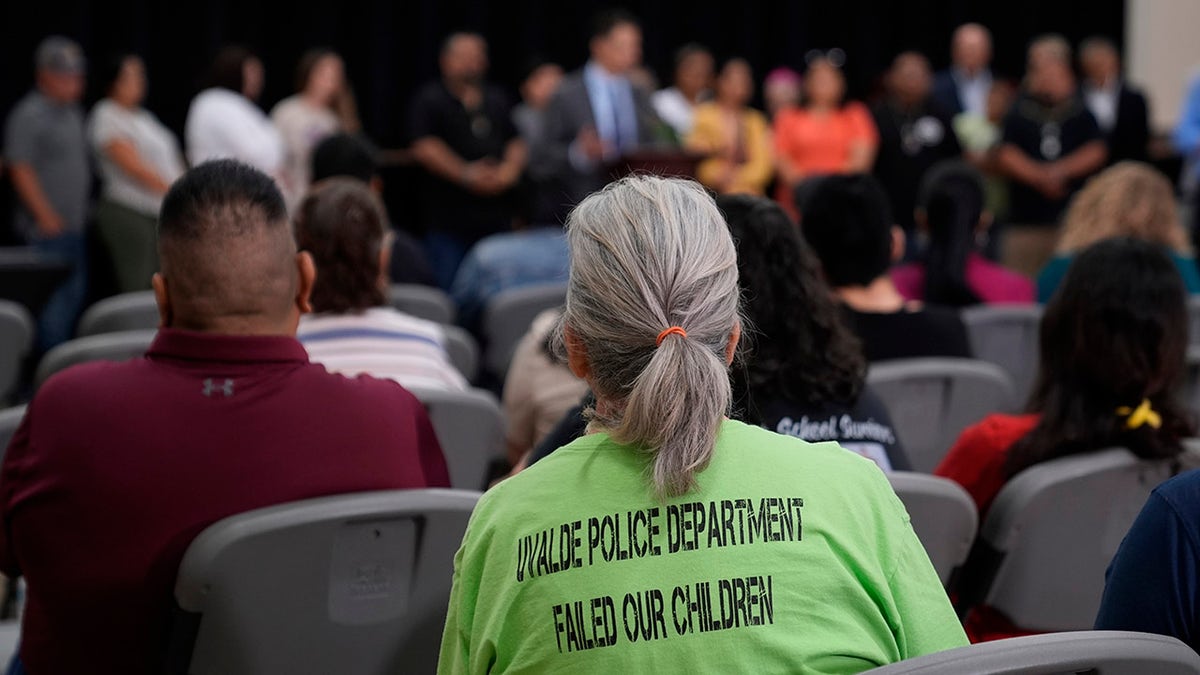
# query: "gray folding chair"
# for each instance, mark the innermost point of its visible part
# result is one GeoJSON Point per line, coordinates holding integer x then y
{"type": "Point", "coordinates": [104, 347]}
{"type": "Point", "coordinates": [1007, 335]}
{"type": "Point", "coordinates": [16, 340]}
{"type": "Point", "coordinates": [347, 584]}
{"type": "Point", "coordinates": [470, 428]}
{"type": "Point", "coordinates": [463, 351]}
{"type": "Point", "coordinates": [507, 318]}
{"type": "Point", "coordinates": [1191, 383]}
{"type": "Point", "coordinates": [1193, 303]}
{"type": "Point", "coordinates": [1099, 652]}
{"type": "Point", "coordinates": [423, 302]}
{"type": "Point", "coordinates": [1049, 535]}
{"type": "Point", "coordinates": [10, 419]}
{"type": "Point", "coordinates": [128, 311]}
{"type": "Point", "coordinates": [932, 400]}
{"type": "Point", "coordinates": [943, 516]}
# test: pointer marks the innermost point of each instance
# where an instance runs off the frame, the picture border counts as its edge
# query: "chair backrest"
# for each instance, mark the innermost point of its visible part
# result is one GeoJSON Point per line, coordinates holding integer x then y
{"type": "Point", "coordinates": [10, 419]}
{"type": "Point", "coordinates": [463, 351]}
{"type": "Point", "coordinates": [1191, 382]}
{"type": "Point", "coordinates": [943, 516]}
{"type": "Point", "coordinates": [932, 400]}
{"type": "Point", "coordinates": [104, 347]}
{"type": "Point", "coordinates": [347, 584]}
{"type": "Point", "coordinates": [470, 428]}
{"type": "Point", "coordinates": [1007, 335]}
{"type": "Point", "coordinates": [508, 316]}
{"type": "Point", "coordinates": [1052, 530]}
{"type": "Point", "coordinates": [128, 311]}
{"type": "Point", "coordinates": [16, 340]}
{"type": "Point", "coordinates": [1098, 652]}
{"type": "Point", "coordinates": [423, 302]}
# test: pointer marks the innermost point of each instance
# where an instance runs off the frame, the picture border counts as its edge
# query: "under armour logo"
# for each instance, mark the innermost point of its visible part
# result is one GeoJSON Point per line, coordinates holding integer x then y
{"type": "Point", "coordinates": [209, 388]}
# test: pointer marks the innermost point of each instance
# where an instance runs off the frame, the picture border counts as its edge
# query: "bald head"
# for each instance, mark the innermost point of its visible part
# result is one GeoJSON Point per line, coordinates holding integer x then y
{"type": "Point", "coordinates": [971, 48]}
{"type": "Point", "coordinates": [229, 262]}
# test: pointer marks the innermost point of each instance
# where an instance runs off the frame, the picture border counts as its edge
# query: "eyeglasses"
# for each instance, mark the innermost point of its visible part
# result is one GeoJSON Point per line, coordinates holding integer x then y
{"type": "Point", "coordinates": [834, 57]}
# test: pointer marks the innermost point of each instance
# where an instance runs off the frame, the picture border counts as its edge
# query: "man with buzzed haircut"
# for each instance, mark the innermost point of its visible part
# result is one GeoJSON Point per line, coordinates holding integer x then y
{"type": "Point", "coordinates": [118, 466]}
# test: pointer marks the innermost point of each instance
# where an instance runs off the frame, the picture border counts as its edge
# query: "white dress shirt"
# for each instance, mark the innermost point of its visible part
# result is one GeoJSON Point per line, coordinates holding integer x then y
{"type": "Point", "coordinates": [224, 124]}
{"type": "Point", "coordinates": [1102, 102]}
{"type": "Point", "coordinates": [973, 91]}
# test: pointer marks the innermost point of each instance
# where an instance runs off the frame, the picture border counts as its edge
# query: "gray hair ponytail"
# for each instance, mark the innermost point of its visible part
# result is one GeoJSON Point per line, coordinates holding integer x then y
{"type": "Point", "coordinates": [647, 254]}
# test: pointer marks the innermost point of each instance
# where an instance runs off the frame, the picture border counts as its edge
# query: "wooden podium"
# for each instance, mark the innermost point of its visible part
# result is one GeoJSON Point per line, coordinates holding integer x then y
{"type": "Point", "coordinates": [667, 162]}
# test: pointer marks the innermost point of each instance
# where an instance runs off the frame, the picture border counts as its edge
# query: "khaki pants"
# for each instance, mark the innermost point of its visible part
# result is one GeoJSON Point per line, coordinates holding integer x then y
{"type": "Point", "coordinates": [132, 241]}
{"type": "Point", "coordinates": [1027, 248]}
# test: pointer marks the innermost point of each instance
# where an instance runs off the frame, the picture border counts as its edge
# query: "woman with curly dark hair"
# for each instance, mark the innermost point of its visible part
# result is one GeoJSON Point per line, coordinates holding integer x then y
{"type": "Point", "coordinates": [804, 371]}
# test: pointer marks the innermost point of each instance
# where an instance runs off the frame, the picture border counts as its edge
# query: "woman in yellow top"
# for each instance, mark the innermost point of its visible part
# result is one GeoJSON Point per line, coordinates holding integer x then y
{"type": "Point", "coordinates": [734, 136]}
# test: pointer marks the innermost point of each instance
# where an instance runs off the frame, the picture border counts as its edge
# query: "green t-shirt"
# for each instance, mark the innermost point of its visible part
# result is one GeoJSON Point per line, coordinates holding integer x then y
{"type": "Point", "coordinates": [789, 557]}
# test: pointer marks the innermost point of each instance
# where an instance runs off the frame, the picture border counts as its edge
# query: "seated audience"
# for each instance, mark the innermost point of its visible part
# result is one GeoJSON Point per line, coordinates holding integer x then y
{"type": "Point", "coordinates": [826, 134]}
{"type": "Point", "coordinates": [224, 122]}
{"type": "Point", "coordinates": [804, 373]}
{"type": "Point", "coordinates": [652, 324]}
{"type": "Point", "coordinates": [116, 467]}
{"type": "Point", "coordinates": [676, 105]}
{"type": "Point", "coordinates": [1050, 145]}
{"type": "Point", "coordinates": [353, 330]}
{"type": "Point", "coordinates": [734, 136]}
{"type": "Point", "coordinates": [353, 157]}
{"type": "Point", "coordinates": [781, 91]}
{"type": "Point", "coordinates": [1151, 583]}
{"type": "Point", "coordinates": [323, 105]}
{"type": "Point", "coordinates": [964, 87]}
{"type": "Point", "coordinates": [951, 218]}
{"type": "Point", "coordinates": [538, 390]}
{"type": "Point", "coordinates": [847, 222]}
{"type": "Point", "coordinates": [914, 134]}
{"type": "Point", "coordinates": [46, 154]}
{"type": "Point", "coordinates": [597, 115]}
{"type": "Point", "coordinates": [463, 136]}
{"type": "Point", "coordinates": [529, 257]}
{"type": "Point", "coordinates": [1120, 110]}
{"type": "Point", "coordinates": [1112, 348]}
{"type": "Point", "coordinates": [1129, 199]}
{"type": "Point", "coordinates": [138, 158]}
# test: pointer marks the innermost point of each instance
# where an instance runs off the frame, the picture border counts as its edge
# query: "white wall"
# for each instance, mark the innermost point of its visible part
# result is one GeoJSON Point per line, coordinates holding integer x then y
{"type": "Point", "coordinates": [1162, 52]}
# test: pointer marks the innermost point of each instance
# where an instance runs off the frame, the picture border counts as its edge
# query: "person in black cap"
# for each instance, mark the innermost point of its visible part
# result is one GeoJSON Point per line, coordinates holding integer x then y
{"type": "Point", "coordinates": [45, 144]}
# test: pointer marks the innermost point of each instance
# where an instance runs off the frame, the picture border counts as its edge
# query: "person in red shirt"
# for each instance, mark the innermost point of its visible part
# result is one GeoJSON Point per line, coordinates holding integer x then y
{"type": "Point", "coordinates": [1113, 346]}
{"type": "Point", "coordinates": [118, 466]}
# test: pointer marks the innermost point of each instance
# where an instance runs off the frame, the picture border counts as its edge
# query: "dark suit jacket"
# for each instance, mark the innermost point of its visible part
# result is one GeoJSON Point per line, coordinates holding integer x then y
{"type": "Point", "coordinates": [1129, 137]}
{"type": "Point", "coordinates": [945, 93]}
{"type": "Point", "coordinates": [569, 112]}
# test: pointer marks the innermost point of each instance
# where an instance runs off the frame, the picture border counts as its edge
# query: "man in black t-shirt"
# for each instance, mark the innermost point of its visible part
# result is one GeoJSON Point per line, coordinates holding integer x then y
{"type": "Point", "coordinates": [914, 134]}
{"type": "Point", "coordinates": [846, 220]}
{"type": "Point", "coordinates": [1050, 145]}
{"type": "Point", "coordinates": [462, 134]}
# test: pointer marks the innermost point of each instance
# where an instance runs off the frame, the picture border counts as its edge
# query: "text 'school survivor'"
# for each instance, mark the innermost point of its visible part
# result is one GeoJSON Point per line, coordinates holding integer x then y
{"type": "Point", "coordinates": [638, 534]}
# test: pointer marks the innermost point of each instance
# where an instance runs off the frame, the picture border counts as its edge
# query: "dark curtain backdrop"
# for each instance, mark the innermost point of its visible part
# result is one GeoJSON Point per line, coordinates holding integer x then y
{"type": "Point", "coordinates": [391, 46]}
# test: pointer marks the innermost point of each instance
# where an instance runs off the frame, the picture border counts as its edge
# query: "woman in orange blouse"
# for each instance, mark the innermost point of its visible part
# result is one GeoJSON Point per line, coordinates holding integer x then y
{"type": "Point", "coordinates": [825, 135]}
{"type": "Point", "coordinates": [735, 137]}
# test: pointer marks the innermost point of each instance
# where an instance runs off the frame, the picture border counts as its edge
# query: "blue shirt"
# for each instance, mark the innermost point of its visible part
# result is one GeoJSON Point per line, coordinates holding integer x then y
{"type": "Point", "coordinates": [1055, 271]}
{"type": "Point", "coordinates": [613, 107]}
{"type": "Point", "coordinates": [1187, 134]}
{"type": "Point", "coordinates": [1154, 579]}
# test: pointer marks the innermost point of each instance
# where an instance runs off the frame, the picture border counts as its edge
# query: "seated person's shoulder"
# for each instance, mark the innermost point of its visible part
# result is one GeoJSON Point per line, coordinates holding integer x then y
{"type": "Point", "coordinates": [785, 453]}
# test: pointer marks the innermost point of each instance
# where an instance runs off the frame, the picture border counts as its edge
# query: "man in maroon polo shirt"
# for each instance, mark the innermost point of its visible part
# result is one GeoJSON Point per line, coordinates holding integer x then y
{"type": "Point", "coordinates": [116, 467]}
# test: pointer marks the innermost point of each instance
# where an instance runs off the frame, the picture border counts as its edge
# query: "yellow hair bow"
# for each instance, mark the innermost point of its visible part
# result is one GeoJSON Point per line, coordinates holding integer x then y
{"type": "Point", "coordinates": [1143, 414]}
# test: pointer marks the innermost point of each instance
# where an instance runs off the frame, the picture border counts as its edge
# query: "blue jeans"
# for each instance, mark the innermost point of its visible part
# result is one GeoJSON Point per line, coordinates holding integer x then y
{"type": "Point", "coordinates": [15, 667]}
{"type": "Point", "coordinates": [56, 324]}
{"type": "Point", "coordinates": [445, 253]}
{"type": "Point", "coordinates": [509, 260]}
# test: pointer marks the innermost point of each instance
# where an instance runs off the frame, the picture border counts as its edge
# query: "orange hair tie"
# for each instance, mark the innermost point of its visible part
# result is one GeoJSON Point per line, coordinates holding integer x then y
{"type": "Point", "coordinates": [673, 330]}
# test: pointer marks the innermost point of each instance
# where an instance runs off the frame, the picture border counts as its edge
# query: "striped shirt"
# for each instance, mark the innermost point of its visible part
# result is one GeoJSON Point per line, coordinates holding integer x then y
{"type": "Point", "coordinates": [384, 343]}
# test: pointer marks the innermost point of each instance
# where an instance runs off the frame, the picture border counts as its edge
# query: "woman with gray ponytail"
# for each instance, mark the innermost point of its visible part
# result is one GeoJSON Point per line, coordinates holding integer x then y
{"type": "Point", "coordinates": [669, 537]}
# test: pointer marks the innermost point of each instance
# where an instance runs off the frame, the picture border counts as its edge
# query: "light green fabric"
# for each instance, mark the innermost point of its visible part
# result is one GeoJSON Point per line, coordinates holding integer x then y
{"type": "Point", "coordinates": [812, 567]}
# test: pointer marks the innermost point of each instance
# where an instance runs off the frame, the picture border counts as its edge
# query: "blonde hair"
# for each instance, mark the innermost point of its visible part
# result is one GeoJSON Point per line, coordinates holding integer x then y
{"type": "Point", "coordinates": [647, 254]}
{"type": "Point", "coordinates": [1129, 199]}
